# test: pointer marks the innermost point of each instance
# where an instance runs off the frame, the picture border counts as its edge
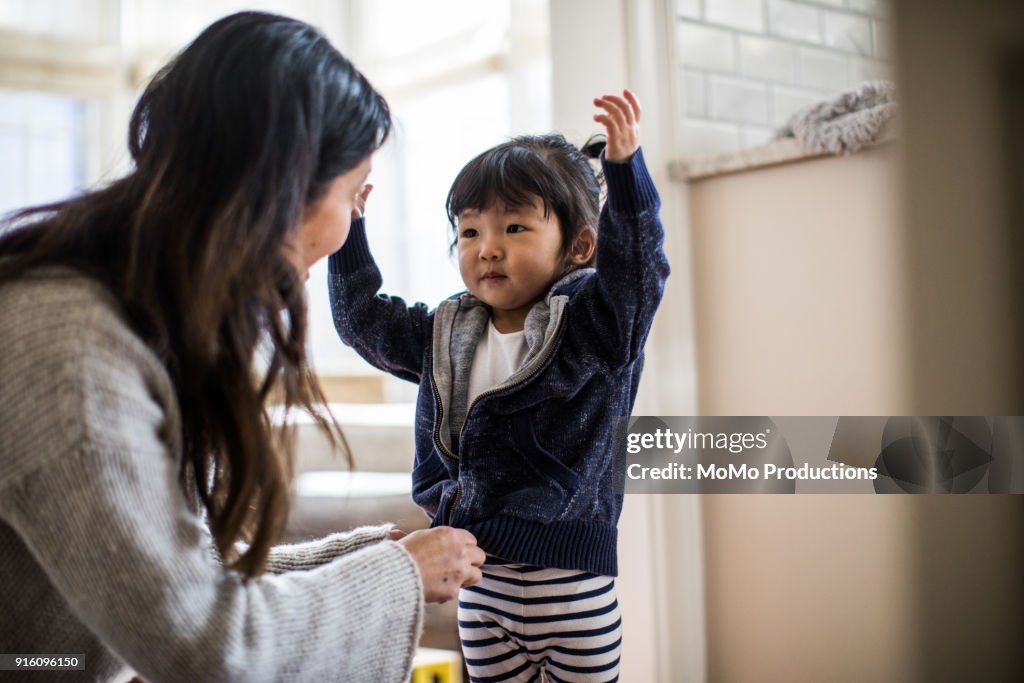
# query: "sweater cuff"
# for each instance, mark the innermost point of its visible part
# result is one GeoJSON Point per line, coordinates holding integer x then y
{"type": "Point", "coordinates": [355, 253]}
{"type": "Point", "coordinates": [302, 556]}
{"type": "Point", "coordinates": [630, 187]}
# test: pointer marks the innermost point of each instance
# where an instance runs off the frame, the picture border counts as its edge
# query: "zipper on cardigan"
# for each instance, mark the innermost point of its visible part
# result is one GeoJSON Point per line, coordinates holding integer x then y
{"type": "Point", "coordinates": [540, 366]}
{"type": "Point", "coordinates": [453, 502]}
{"type": "Point", "coordinates": [440, 410]}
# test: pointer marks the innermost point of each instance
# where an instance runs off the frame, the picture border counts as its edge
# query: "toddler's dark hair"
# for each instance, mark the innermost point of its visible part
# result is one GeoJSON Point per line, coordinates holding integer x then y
{"type": "Point", "coordinates": [546, 166]}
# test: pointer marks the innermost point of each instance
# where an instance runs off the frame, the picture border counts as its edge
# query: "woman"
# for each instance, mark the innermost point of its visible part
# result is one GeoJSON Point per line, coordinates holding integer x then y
{"type": "Point", "coordinates": [140, 492]}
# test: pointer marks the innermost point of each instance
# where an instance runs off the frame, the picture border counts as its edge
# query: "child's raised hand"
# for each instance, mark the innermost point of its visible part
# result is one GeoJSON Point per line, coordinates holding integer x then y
{"type": "Point", "coordinates": [621, 120]}
{"type": "Point", "coordinates": [359, 208]}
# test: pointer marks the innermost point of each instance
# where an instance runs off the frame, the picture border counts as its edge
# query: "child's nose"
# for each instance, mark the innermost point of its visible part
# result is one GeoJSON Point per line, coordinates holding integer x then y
{"type": "Point", "coordinates": [490, 249]}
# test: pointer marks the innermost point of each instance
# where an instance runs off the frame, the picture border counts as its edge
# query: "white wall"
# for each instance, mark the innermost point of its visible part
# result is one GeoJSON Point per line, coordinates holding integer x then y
{"type": "Point", "coordinates": [800, 287]}
{"type": "Point", "coordinates": [811, 272]}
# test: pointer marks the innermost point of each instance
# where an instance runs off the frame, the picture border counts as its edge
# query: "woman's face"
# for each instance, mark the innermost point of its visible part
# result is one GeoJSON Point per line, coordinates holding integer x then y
{"type": "Point", "coordinates": [325, 226]}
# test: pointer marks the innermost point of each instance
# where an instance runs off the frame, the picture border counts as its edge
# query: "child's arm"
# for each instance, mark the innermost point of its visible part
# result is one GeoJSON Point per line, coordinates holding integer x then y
{"type": "Point", "coordinates": [384, 330]}
{"type": "Point", "coordinates": [631, 263]}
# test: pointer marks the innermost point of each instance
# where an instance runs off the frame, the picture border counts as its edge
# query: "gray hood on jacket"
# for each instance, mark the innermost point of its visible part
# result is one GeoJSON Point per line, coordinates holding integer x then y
{"type": "Point", "coordinates": [461, 321]}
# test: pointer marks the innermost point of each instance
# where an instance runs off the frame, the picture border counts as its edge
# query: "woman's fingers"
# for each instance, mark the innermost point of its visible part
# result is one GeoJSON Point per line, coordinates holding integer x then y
{"type": "Point", "coordinates": [474, 577]}
{"type": "Point", "coordinates": [477, 556]}
{"type": "Point", "coordinates": [447, 559]}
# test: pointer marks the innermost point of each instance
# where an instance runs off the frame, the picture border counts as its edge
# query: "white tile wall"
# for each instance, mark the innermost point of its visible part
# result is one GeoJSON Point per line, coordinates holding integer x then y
{"type": "Point", "coordinates": [823, 69]}
{"type": "Point", "coordinates": [883, 39]}
{"type": "Point", "coordinates": [742, 14]}
{"type": "Point", "coordinates": [848, 32]}
{"type": "Point", "coordinates": [752, 136]}
{"type": "Point", "coordinates": [767, 58]}
{"type": "Point", "coordinates": [794, 21]}
{"type": "Point", "coordinates": [876, 8]}
{"type": "Point", "coordinates": [785, 101]}
{"type": "Point", "coordinates": [870, 70]}
{"type": "Point", "coordinates": [747, 65]}
{"type": "Point", "coordinates": [703, 138]}
{"type": "Point", "coordinates": [688, 8]}
{"type": "Point", "coordinates": [736, 100]}
{"type": "Point", "coordinates": [709, 48]}
{"type": "Point", "coordinates": [694, 96]}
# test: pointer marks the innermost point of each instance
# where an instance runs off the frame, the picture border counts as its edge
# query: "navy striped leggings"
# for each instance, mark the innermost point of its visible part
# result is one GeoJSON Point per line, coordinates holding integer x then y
{"type": "Point", "coordinates": [528, 624]}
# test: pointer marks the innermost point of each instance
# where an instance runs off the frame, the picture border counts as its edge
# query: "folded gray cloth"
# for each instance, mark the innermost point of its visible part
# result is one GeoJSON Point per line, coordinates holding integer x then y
{"type": "Point", "coordinates": [855, 118]}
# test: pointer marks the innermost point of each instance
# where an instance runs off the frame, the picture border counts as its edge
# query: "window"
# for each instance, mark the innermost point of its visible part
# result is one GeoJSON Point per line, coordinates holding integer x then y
{"type": "Point", "coordinates": [42, 143]}
{"type": "Point", "coordinates": [55, 62]}
{"type": "Point", "coordinates": [460, 76]}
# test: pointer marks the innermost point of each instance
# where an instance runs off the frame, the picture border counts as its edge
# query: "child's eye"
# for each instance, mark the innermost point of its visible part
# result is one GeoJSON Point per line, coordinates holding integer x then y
{"type": "Point", "coordinates": [468, 232]}
{"type": "Point", "coordinates": [514, 228]}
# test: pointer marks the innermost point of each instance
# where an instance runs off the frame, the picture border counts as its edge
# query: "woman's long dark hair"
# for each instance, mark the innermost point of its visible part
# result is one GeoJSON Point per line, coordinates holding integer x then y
{"type": "Point", "coordinates": [232, 142]}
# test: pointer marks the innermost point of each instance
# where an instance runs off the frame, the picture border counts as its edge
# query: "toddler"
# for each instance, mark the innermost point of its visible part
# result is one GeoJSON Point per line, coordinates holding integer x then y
{"type": "Point", "coordinates": [521, 378]}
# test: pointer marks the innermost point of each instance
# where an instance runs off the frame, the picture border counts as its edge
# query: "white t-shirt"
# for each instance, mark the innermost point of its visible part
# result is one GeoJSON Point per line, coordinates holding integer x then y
{"type": "Point", "coordinates": [497, 357]}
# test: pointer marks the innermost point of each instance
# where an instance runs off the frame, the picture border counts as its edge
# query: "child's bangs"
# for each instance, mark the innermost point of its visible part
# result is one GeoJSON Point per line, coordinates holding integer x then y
{"type": "Point", "coordinates": [506, 178]}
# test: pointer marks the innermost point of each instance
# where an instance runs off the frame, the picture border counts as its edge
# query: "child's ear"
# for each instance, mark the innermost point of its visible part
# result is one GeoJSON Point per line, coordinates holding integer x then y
{"type": "Point", "coordinates": [583, 246]}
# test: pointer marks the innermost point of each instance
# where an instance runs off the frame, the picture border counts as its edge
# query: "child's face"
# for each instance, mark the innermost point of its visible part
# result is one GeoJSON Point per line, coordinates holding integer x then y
{"type": "Point", "coordinates": [509, 258]}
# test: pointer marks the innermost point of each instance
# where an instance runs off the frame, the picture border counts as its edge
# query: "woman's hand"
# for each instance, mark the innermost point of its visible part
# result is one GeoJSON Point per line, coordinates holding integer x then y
{"type": "Point", "coordinates": [359, 208]}
{"type": "Point", "coordinates": [622, 123]}
{"type": "Point", "coordinates": [448, 559]}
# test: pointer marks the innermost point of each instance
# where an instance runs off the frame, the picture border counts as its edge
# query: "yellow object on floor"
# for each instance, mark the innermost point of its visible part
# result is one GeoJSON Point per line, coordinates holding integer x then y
{"type": "Point", "coordinates": [436, 666]}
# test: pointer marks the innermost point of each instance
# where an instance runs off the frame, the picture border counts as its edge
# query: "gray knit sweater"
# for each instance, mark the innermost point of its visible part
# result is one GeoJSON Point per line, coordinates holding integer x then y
{"type": "Point", "coordinates": [101, 553]}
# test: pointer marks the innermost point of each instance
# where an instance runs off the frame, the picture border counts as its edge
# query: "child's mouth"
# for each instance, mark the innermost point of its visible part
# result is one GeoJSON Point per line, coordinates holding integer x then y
{"type": "Point", "coordinates": [493, 276]}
